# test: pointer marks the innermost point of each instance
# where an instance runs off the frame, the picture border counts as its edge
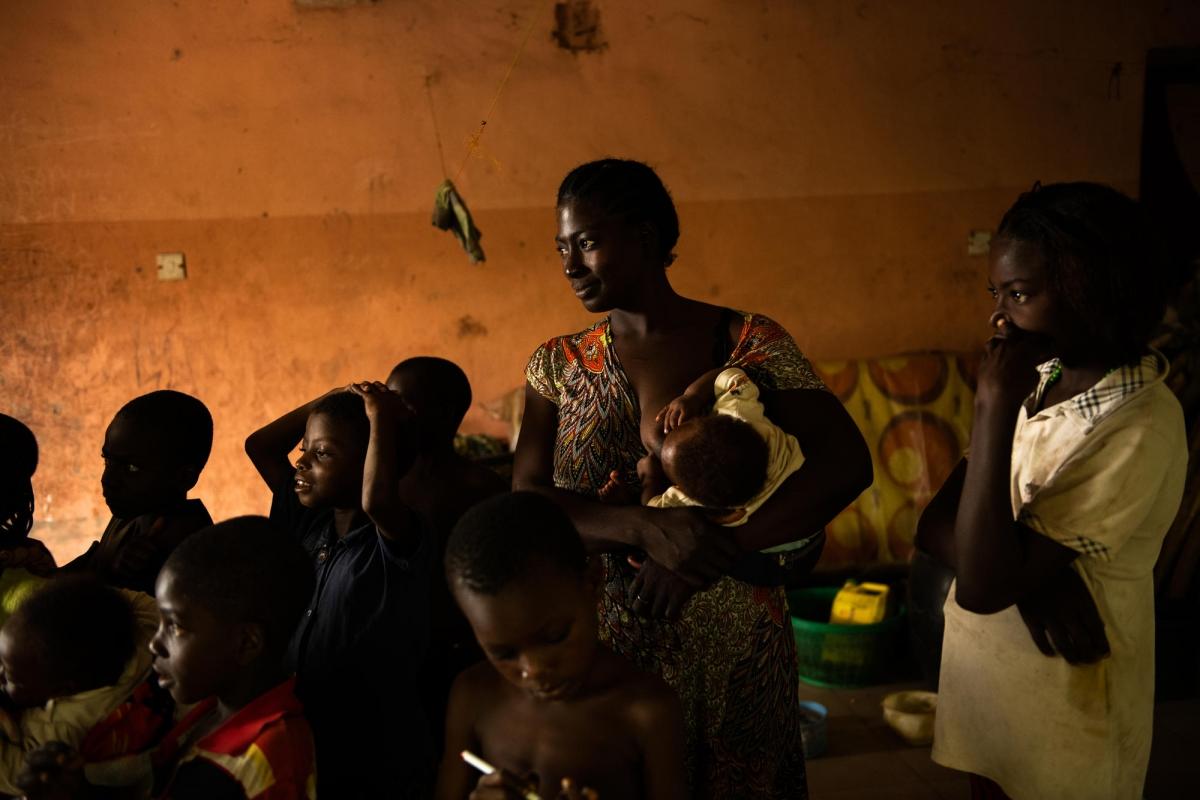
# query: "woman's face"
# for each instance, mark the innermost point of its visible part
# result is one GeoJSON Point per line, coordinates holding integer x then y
{"type": "Point", "coordinates": [605, 260]}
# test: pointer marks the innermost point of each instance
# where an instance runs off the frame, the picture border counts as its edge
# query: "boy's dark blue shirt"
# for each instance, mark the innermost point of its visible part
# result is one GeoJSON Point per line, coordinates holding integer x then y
{"type": "Point", "coordinates": [358, 650]}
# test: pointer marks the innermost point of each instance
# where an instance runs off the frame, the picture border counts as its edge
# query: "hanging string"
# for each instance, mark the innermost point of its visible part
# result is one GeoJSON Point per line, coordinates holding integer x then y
{"type": "Point", "coordinates": [433, 115]}
{"type": "Point", "coordinates": [473, 140]}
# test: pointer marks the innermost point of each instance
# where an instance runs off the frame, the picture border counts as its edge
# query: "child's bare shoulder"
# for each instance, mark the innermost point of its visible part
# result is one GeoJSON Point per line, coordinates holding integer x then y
{"type": "Point", "coordinates": [646, 698]}
{"type": "Point", "coordinates": [477, 679]}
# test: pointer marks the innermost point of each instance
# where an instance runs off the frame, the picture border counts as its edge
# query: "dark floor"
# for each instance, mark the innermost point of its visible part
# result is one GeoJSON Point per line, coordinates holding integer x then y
{"type": "Point", "coordinates": [865, 759]}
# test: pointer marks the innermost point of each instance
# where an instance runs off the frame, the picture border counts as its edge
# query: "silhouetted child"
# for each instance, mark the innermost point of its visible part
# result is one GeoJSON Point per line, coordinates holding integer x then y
{"type": "Point", "coordinates": [441, 485]}
{"type": "Point", "coordinates": [24, 562]}
{"type": "Point", "coordinates": [1076, 469]}
{"type": "Point", "coordinates": [229, 598]}
{"type": "Point", "coordinates": [360, 644]}
{"type": "Point", "coordinates": [154, 451]}
{"type": "Point", "coordinates": [551, 702]}
{"type": "Point", "coordinates": [70, 656]}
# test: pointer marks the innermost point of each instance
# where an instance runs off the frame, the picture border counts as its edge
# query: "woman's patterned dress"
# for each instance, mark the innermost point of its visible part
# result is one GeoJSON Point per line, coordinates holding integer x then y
{"type": "Point", "coordinates": [731, 657]}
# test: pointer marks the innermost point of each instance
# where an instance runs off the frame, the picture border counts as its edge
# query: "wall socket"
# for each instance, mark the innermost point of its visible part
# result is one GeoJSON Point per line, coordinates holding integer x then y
{"type": "Point", "coordinates": [979, 243]}
{"type": "Point", "coordinates": [171, 267]}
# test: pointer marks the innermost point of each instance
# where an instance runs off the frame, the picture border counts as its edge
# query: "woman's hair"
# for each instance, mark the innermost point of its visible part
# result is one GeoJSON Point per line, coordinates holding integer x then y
{"type": "Point", "coordinates": [1102, 259]}
{"type": "Point", "coordinates": [629, 190]}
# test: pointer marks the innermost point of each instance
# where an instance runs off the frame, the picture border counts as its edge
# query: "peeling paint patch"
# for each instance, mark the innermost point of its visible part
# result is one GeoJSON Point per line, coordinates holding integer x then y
{"type": "Point", "coordinates": [469, 326]}
{"type": "Point", "coordinates": [577, 26]}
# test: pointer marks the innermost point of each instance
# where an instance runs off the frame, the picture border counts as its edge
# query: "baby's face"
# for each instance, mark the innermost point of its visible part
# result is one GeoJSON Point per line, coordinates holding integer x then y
{"type": "Point", "coordinates": [24, 676]}
{"type": "Point", "coordinates": [539, 632]}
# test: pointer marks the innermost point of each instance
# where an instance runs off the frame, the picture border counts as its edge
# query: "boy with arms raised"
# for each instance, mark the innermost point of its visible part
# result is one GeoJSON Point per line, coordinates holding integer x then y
{"type": "Point", "coordinates": [154, 450]}
{"type": "Point", "coordinates": [551, 705]}
{"type": "Point", "coordinates": [364, 633]}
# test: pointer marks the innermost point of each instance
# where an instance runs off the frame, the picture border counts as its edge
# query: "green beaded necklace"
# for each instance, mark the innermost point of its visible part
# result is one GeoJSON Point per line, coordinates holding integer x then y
{"type": "Point", "coordinates": [1056, 374]}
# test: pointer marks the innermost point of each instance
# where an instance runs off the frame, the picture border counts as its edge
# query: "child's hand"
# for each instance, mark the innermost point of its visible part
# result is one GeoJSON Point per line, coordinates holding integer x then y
{"type": "Point", "coordinates": [53, 772]}
{"type": "Point", "coordinates": [658, 593]}
{"type": "Point", "coordinates": [1063, 620]}
{"type": "Point", "coordinates": [503, 785]}
{"type": "Point", "coordinates": [571, 791]}
{"type": "Point", "coordinates": [1008, 372]}
{"type": "Point", "coordinates": [379, 400]}
{"type": "Point", "coordinates": [681, 409]}
{"type": "Point", "coordinates": [616, 493]}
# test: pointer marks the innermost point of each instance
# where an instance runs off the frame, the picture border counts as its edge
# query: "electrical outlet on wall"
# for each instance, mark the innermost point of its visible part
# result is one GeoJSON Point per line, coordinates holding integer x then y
{"type": "Point", "coordinates": [979, 243]}
{"type": "Point", "coordinates": [171, 267]}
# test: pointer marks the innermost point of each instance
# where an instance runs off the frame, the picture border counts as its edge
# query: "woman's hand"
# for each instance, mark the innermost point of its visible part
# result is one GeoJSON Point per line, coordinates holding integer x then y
{"type": "Point", "coordinates": [659, 593]}
{"type": "Point", "coordinates": [687, 543]}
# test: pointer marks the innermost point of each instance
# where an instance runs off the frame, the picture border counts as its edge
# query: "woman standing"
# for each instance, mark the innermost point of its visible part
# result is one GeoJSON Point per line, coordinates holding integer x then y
{"type": "Point", "coordinates": [725, 645]}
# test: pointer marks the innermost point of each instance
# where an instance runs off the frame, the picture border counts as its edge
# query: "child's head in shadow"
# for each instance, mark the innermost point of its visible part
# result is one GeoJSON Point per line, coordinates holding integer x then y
{"type": "Point", "coordinates": [20, 461]}
{"type": "Point", "coordinates": [518, 569]}
{"type": "Point", "coordinates": [329, 470]}
{"type": "Point", "coordinates": [439, 394]}
{"type": "Point", "coordinates": [154, 450]}
{"type": "Point", "coordinates": [717, 460]}
{"type": "Point", "coordinates": [229, 599]}
{"type": "Point", "coordinates": [72, 635]}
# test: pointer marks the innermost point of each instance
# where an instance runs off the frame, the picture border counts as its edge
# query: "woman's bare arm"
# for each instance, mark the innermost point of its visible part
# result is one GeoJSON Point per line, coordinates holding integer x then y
{"type": "Point", "coordinates": [680, 539]}
{"type": "Point", "coordinates": [837, 469]}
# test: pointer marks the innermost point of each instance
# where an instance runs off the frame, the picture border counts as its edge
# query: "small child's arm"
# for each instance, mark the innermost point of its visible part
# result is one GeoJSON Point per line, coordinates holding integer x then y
{"type": "Point", "coordinates": [695, 401]}
{"type": "Point", "coordinates": [456, 778]}
{"type": "Point", "coordinates": [389, 455]}
{"type": "Point", "coordinates": [269, 446]}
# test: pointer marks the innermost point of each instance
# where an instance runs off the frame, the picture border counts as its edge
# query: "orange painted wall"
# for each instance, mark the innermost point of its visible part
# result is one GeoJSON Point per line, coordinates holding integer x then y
{"type": "Point", "coordinates": [828, 158]}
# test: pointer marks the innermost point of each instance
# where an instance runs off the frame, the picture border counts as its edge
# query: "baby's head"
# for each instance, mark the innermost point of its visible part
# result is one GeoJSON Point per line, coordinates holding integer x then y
{"type": "Point", "coordinates": [518, 569]}
{"type": "Point", "coordinates": [154, 451]}
{"type": "Point", "coordinates": [438, 393]}
{"type": "Point", "coordinates": [16, 485]}
{"type": "Point", "coordinates": [72, 635]}
{"type": "Point", "coordinates": [1079, 264]}
{"type": "Point", "coordinates": [329, 471]}
{"type": "Point", "coordinates": [717, 460]}
{"type": "Point", "coordinates": [229, 598]}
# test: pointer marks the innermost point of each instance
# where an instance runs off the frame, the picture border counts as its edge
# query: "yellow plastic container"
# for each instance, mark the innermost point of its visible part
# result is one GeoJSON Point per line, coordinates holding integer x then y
{"type": "Point", "coordinates": [860, 604]}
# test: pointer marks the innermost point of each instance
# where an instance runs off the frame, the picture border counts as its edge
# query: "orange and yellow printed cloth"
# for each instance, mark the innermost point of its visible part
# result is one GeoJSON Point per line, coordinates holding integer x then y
{"type": "Point", "coordinates": [915, 412]}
